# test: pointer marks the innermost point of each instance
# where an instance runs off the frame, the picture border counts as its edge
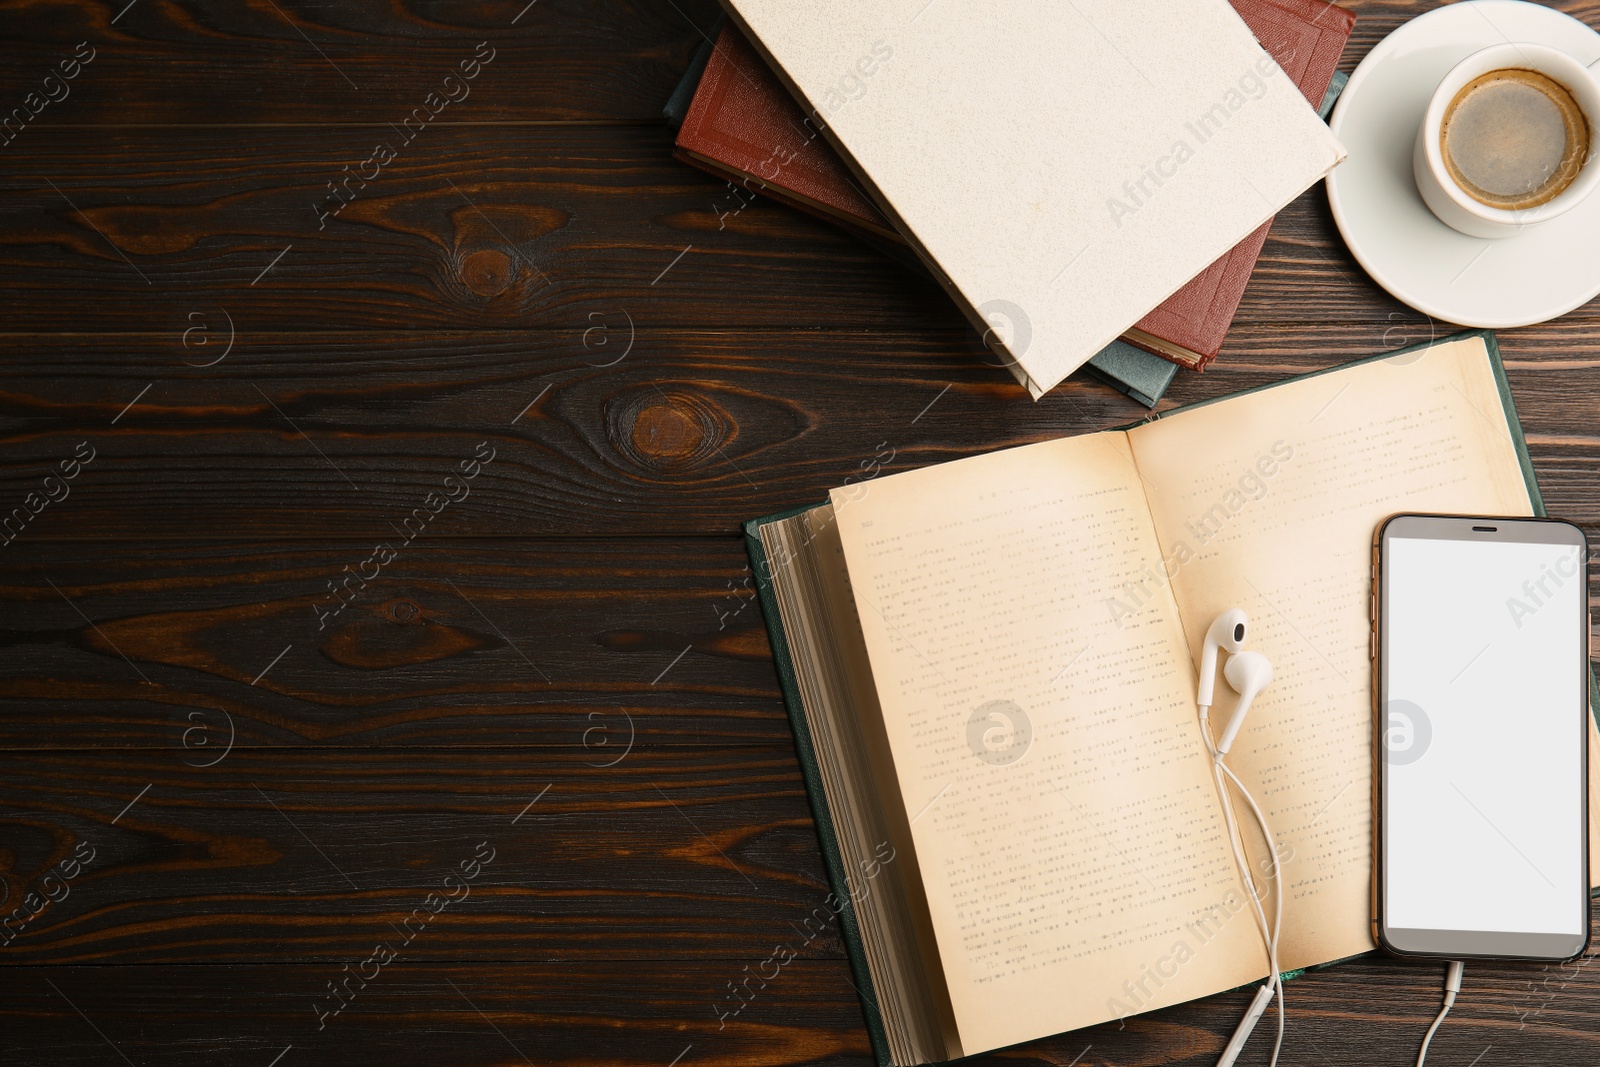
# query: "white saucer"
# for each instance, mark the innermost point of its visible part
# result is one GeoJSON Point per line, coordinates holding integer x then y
{"type": "Point", "coordinates": [1543, 272]}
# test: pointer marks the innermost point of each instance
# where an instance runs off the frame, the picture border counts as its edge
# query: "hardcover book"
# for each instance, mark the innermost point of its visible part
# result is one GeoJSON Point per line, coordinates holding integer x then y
{"type": "Point", "coordinates": [990, 665]}
{"type": "Point", "coordinates": [743, 106]}
{"type": "Point", "coordinates": [1306, 37]}
{"type": "Point", "coordinates": [1066, 168]}
{"type": "Point", "coordinates": [743, 125]}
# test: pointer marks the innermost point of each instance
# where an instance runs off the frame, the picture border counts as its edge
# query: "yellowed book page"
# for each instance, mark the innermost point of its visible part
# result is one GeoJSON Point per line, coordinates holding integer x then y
{"type": "Point", "coordinates": [1062, 808]}
{"type": "Point", "coordinates": [1268, 502]}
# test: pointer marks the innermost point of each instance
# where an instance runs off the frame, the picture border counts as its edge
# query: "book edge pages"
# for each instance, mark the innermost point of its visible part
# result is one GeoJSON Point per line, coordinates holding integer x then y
{"type": "Point", "coordinates": [894, 930]}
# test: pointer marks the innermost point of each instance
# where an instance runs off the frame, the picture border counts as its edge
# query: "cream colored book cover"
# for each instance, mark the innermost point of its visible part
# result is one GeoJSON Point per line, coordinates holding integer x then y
{"type": "Point", "coordinates": [1064, 165]}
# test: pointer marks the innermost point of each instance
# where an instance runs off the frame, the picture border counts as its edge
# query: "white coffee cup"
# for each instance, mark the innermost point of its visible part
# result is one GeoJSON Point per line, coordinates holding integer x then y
{"type": "Point", "coordinates": [1447, 199]}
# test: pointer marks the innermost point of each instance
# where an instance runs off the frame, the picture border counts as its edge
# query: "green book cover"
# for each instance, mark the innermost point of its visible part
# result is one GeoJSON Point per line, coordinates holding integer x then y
{"type": "Point", "coordinates": [1133, 371]}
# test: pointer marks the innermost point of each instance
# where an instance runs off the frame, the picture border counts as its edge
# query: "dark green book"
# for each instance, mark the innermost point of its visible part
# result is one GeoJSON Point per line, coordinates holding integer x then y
{"type": "Point", "coordinates": [989, 669]}
{"type": "Point", "coordinates": [1132, 371]}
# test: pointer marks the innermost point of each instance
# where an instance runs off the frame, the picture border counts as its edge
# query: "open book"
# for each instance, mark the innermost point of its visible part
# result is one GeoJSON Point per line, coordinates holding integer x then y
{"type": "Point", "coordinates": [991, 665]}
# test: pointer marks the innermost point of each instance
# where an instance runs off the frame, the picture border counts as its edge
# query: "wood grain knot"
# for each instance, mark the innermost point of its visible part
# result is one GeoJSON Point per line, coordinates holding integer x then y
{"type": "Point", "coordinates": [487, 272]}
{"type": "Point", "coordinates": [374, 642]}
{"type": "Point", "coordinates": [670, 429]}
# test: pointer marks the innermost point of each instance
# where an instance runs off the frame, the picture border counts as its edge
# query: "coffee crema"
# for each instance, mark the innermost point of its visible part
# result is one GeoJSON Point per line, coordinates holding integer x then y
{"type": "Point", "coordinates": [1514, 139]}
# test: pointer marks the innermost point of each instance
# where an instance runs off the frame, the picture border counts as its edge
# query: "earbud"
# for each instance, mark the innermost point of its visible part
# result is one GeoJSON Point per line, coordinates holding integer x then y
{"type": "Point", "coordinates": [1248, 673]}
{"type": "Point", "coordinates": [1229, 632]}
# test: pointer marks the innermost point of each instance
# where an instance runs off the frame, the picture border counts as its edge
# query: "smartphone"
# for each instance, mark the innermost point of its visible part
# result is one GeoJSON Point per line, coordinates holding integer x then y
{"type": "Point", "coordinates": [1480, 721]}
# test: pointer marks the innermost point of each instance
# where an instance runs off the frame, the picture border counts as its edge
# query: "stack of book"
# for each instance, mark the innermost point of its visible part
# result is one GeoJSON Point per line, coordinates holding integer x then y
{"type": "Point", "coordinates": [739, 122]}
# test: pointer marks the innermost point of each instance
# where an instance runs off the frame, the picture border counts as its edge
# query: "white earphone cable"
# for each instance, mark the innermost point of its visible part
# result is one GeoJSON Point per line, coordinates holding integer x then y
{"type": "Point", "coordinates": [1255, 894]}
{"type": "Point", "coordinates": [1452, 986]}
{"type": "Point", "coordinates": [1270, 935]}
{"type": "Point", "coordinates": [1248, 673]}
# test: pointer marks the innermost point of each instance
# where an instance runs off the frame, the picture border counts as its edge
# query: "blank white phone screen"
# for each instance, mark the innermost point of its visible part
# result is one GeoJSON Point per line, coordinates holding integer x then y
{"type": "Point", "coordinates": [1483, 648]}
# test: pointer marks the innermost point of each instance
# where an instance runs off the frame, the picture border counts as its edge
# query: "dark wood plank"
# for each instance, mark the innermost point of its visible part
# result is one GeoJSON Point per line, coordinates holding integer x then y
{"type": "Point", "coordinates": [292, 855]}
{"type": "Point", "coordinates": [589, 645]}
{"type": "Point", "coordinates": [1368, 1011]}
{"type": "Point", "coordinates": [687, 433]}
{"type": "Point", "coordinates": [232, 63]}
{"type": "Point", "coordinates": [641, 1012]}
{"type": "Point", "coordinates": [468, 226]}
{"type": "Point", "coordinates": [293, 436]}
{"type": "Point", "coordinates": [569, 60]}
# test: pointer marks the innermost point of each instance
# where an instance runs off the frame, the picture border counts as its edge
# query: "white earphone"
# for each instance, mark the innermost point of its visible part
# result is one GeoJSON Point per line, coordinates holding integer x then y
{"type": "Point", "coordinates": [1228, 631]}
{"type": "Point", "coordinates": [1248, 673]}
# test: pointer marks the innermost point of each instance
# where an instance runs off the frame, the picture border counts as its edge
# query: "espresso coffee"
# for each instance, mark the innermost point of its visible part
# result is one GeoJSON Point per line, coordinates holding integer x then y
{"type": "Point", "coordinates": [1514, 139]}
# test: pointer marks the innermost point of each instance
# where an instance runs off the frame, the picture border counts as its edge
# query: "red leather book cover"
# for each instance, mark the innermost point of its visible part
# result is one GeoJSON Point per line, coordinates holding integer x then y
{"type": "Point", "coordinates": [744, 125]}
{"type": "Point", "coordinates": [1306, 37]}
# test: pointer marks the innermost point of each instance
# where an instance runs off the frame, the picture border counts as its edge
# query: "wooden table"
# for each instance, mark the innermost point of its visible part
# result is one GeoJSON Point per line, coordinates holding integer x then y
{"type": "Point", "coordinates": [533, 746]}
